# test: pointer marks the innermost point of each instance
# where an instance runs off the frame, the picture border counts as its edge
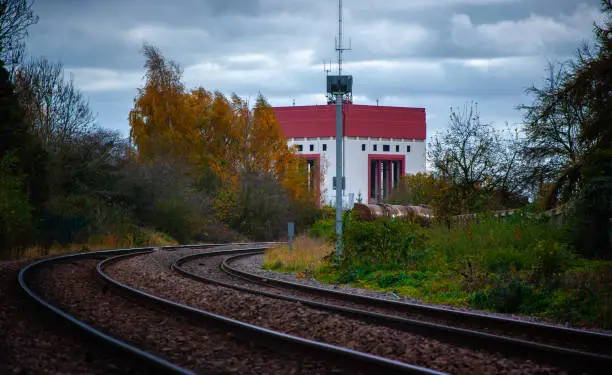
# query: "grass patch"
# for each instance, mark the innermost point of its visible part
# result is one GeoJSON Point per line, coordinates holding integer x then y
{"type": "Point", "coordinates": [307, 255]}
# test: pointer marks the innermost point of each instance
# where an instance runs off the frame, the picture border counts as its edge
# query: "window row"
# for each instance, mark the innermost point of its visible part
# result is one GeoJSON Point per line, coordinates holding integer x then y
{"type": "Point", "coordinates": [301, 147]}
{"type": "Point", "coordinates": [385, 148]}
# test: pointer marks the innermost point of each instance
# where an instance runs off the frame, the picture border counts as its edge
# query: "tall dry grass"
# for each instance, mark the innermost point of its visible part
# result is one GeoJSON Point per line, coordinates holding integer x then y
{"type": "Point", "coordinates": [307, 255]}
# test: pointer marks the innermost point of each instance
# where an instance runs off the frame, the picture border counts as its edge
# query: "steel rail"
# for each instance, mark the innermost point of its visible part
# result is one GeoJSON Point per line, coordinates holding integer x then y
{"type": "Point", "coordinates": [350, 358]}
{"type": "Point", "coordinates": [555, 355]}
{"type": "Point", "coordinates": [135, 354]}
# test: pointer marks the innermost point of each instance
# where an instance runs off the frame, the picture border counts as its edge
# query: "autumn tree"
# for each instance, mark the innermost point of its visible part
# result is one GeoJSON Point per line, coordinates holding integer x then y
{"type": "Point", "coordinates": [162, 119]}
{"type": "Point", "coordinates": [228, 145]}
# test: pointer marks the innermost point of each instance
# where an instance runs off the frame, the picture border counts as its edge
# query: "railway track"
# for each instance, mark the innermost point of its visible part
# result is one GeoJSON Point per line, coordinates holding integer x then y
{"type": "Point", "coordinates": [143, 360]}
{"type": "Point", "coordinates": [577, 350]}
{"type": "Point", "coordinates": [162, 336]}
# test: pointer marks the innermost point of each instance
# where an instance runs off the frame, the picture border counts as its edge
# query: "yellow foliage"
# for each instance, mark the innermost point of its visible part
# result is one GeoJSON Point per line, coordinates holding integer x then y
{"type": "Point", "coordinates": [206, 129]}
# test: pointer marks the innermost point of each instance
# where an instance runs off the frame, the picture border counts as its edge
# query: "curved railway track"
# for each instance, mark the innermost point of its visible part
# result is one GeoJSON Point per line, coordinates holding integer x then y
{"type": "Point", "coordinates": [574, 349]}
{"type": "Point", "coordinates": [142, 359]}
{"type": "Point", "coordinates": [160, 320]}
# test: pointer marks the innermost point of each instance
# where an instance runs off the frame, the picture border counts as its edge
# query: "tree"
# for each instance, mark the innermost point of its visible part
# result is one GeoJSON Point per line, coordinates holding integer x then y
{"type": "Point", "coordinates": [476, 158]}
{"type": "Point", "coordinates": [55, 108]}
{"type": "Point", "coordinates": [229, 147]}
{"type": "Point", "coordinates": [590, 84]}
{"type": "Point", "coordinates": [552, 146]}
{"type": "Point", "coordinates": [15, 18]}
{"type": "Point", "coordinates": [465, 153]}
{"type": "Point", "coordinates": [570, 139]}
{"type": "Point", "coordinates": [162, 121]}
{"type": "Point", "coordinates": [17, 150]}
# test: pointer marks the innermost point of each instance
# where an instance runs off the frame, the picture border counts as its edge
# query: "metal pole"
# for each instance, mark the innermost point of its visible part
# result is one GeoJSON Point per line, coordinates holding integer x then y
{"type": "Point", "coordinates": [339, 37]}
{"type": "Point", "coordinates": [339, 176]}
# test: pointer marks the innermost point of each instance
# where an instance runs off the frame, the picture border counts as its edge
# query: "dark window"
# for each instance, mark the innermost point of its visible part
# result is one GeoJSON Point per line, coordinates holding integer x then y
{"type": "Point", "coordinates": [374, 147]}
{"type": "Point", "coordinates": [363, 147]}
{"type": "Point", "coordinates": [324, 146]}
{"type": "Point", "coordinates": [300, 148]}
{"type": "Point", "coordinates": [311, 147]}
{"type": "Point", "coordinates": [396, 148]}
{"type": "Point", "coordinates": [407, 148]}
{"type": "Point", "coordinates": [386, 148]}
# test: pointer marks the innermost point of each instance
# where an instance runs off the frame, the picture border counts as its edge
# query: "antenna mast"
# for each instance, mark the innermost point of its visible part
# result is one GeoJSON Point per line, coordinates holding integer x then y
{"type": "Point", "coordinates": [339, 90]}
{"type": "Point", "coordinates": [339, 46]}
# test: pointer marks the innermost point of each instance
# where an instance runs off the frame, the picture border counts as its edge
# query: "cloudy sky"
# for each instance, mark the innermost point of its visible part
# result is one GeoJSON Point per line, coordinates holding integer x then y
{"type": "Point", "coordinates": [419, 53]}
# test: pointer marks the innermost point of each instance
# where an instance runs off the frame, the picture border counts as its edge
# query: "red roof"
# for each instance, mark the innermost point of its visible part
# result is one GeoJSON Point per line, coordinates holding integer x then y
{"type": "Point", "coordinates": [359, 121]}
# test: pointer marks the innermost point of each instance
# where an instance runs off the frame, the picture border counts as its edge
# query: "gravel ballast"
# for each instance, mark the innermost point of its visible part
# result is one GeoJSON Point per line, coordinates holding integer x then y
{"type": "Point", "coordinates": [200, 347]}
{"type": "Point", "coordinates": [152, 273]}
{"type": "Point", "coordinates": [32, 341]}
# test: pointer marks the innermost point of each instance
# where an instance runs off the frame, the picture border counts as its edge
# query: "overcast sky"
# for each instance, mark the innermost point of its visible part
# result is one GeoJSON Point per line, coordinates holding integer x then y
{"type": "Point", "coordinates": [419, 53]}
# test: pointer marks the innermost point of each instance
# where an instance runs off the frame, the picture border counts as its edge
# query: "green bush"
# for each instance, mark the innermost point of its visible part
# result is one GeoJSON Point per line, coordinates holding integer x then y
{"type": "Point", "coordinates": [509, 296]}
{"type": "Point", "coordinates": [387, 244]}
{"type": "Point", "coordinates": [324, 228]}
{"type": "Point", "coordinates": [550, 258]}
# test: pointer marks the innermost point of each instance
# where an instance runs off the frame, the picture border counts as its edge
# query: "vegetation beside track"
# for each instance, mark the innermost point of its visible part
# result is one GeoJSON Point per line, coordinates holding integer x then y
{"type": "Point", "coordinates": [516, 265]}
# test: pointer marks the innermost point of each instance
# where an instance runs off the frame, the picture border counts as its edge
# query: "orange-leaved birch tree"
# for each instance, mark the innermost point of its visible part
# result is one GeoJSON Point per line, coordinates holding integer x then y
{"type": "Point", "coordinates": [161, 122]}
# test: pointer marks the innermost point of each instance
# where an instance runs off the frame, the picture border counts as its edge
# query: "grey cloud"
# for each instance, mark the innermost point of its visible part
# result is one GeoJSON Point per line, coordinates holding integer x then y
{"type": "Point", "coordinates": [275, 47]}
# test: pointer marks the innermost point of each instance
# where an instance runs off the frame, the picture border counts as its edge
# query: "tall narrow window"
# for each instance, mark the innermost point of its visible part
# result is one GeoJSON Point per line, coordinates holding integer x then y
{"type": "Point", "coordinates": [408, 148]}
{"type": "Point", "coordinates": [363, 147]}
{"type": "Point", "coordinates": [311, 147]}
{"type": "Point", "coordinates": [396, 148]}
{"type": "Point", "coordinates": [324, 146]}
{"type": "Point", "coordinates": [374, 148]}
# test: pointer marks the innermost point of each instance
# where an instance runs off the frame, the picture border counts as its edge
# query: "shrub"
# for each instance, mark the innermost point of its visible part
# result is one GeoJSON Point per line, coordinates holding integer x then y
{"type": "Point", "coordinates": [383, 243]}
{"type": "Point", "coordinates": [324, 228]}
{"type": "Point", "coordinates": [550, 258]}
{"type": "Point", "coordinates": [507, 297]}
